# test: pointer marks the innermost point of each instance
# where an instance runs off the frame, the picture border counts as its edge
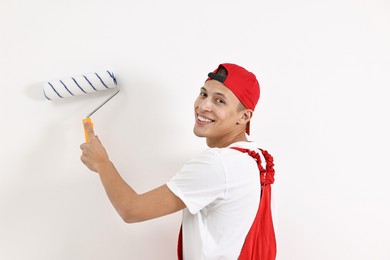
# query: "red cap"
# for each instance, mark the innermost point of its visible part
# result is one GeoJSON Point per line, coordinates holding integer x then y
{"type": "Point", "coordinates": [241, 82]}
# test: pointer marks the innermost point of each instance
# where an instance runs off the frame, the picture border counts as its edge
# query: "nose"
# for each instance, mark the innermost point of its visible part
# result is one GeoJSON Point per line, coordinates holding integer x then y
{"type": "Point", "coordinates": [205, 105]}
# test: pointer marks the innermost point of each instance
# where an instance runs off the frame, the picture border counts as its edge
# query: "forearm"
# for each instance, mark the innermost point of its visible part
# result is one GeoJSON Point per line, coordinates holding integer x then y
{"type": "Point", "coordinates": [121, 195]}
{"type": "Point", "coordinates": [131, 206]}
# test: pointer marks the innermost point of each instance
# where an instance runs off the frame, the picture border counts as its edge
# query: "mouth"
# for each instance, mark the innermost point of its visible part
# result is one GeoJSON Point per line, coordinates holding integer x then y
{"type": "Point", "coordinates": [204, 119]}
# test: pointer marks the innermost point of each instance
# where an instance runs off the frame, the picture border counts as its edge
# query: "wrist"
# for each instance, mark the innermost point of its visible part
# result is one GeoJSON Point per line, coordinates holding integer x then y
{"type": "Point", "coordinates": [104, 167]}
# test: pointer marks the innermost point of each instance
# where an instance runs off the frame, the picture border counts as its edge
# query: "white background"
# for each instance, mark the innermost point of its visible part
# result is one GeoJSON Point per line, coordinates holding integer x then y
{"type": "Point", "coordinates": [324, 109]}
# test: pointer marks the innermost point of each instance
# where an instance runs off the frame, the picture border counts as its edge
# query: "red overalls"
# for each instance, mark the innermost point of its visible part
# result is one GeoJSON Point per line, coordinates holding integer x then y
{"type": "Point", "coordinates": [260, 243]}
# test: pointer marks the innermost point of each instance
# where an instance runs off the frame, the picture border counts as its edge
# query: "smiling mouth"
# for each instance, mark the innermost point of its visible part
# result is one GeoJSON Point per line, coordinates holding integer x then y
{"type": "Point", "coordinates": [204, 120]}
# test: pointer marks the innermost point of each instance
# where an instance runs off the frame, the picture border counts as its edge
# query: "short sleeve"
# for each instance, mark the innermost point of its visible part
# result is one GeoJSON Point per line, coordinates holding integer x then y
{"type": "Point", "coordinates": [200, 182]}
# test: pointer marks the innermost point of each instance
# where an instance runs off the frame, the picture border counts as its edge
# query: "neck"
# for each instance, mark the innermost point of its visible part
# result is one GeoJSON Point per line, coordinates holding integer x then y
{"type": "Point", "coordinates": [226, 141]}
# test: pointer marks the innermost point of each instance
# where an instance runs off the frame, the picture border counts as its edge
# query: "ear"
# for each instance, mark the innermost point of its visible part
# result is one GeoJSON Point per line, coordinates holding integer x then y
{"type": "Point", "coordinates": [245, 117]}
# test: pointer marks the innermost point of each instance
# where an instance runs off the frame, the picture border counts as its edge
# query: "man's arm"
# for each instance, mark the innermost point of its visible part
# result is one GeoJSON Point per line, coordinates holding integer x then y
{"type": "Point", "coordinates": [132, 207]}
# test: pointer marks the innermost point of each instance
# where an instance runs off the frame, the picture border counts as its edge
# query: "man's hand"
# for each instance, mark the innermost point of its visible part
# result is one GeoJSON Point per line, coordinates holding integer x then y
{"type": "Point", "coordinates": [93, 153]}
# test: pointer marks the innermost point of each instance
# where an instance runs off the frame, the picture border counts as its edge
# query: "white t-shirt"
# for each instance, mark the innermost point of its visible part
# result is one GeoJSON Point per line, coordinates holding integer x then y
{"type": "Point", "coordinates": [221, 189]}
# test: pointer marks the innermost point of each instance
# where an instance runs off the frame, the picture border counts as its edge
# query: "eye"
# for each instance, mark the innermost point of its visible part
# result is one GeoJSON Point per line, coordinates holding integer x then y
{"type": "Point", "coordinates": [203, 94]}
{"type": "Point", "coordinates": [220, 101]}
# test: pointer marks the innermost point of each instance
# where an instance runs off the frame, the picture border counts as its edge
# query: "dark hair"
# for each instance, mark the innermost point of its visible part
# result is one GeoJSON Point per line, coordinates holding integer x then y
{"type": "Point", "coordinates": [222, 71]}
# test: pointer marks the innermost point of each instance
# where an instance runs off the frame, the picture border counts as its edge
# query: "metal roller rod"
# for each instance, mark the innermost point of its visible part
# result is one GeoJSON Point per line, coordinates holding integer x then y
{"type": "Point", "coordinates": [108, 99]}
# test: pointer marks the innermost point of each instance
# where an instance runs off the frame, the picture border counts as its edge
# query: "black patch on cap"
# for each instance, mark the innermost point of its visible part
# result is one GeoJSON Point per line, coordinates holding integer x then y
{"type": "Point", "coordinates": [217, 77]}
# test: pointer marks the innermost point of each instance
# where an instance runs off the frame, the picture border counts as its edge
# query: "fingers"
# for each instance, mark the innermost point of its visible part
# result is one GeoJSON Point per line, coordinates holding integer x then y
{"type": "Point", "coordinates": [93, 153]}
{"type": "Point", "coordinates": [88, 128]}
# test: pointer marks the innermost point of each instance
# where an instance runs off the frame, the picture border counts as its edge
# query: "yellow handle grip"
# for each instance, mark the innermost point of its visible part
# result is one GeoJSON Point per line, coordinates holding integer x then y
{"type": "Point", "coordinates": [89, 121]}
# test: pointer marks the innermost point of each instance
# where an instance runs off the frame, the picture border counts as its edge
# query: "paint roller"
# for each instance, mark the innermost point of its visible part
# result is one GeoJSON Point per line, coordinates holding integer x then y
{"type": "Point", "coordinates": [80, 85]}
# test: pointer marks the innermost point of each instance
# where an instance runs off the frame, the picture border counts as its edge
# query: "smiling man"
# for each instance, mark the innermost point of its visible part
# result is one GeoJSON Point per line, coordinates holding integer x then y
{"type": "Point", "coordinates": [221, 116]}
{"type": "Point", "coordinates": [224, 192]}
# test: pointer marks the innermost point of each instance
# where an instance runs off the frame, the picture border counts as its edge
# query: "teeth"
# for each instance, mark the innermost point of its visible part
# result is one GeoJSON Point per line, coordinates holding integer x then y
{"type": "Point", "coordinates": [205, 119]}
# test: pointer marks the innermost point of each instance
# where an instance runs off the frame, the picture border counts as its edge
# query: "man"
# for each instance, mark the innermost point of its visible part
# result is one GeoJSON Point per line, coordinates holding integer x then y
{"type": "Point", "coordinates": [219, 191]}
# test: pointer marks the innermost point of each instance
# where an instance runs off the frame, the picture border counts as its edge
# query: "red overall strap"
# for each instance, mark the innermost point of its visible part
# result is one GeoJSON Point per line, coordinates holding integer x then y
{"type": "Point", "coordinates": [180, 244]}
{"type": "Point", "coordinates": [260, 243]}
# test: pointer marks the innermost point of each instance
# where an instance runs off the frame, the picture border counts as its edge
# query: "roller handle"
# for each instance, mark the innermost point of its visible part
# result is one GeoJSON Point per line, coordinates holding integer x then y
{"type": "Point", "coordinates": [89, 121]}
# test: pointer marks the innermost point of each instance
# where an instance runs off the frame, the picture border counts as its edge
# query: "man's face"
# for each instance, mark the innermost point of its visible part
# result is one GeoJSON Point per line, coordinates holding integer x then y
{"type": "Point", "coordinates": [216, 112]}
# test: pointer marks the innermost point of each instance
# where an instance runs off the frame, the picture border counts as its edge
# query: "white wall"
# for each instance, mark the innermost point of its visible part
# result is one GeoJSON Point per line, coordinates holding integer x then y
{"type": "Point", "coordinates": [324, 115]}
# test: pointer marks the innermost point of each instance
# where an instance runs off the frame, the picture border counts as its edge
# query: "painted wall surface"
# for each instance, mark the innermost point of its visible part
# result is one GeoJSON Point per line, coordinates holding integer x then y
{"type": "Point", "coordinates": [324, 109]}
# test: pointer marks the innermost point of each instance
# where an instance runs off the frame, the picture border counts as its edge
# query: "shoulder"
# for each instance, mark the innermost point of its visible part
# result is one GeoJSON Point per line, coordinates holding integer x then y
{"type": "Point", "coordinates": [210, 158]}
{"type": "Point", "coordinates": [215, 156]}
{"type": "Point", "coordinates": [210, 166]}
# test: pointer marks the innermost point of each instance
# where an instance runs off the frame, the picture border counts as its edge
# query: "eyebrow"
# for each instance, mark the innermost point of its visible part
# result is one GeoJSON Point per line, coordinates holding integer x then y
{"type": "Point", "coordinates": [216, 93]}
